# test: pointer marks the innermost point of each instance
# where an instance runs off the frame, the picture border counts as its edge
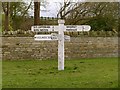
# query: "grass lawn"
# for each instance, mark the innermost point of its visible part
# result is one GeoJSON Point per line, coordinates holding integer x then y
{"type": "Point", "coordinates": [82, 73]}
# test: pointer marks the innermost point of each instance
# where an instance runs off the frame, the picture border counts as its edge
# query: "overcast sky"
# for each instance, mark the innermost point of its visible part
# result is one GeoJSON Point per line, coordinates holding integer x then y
{"type": "Point", "coordinates": [50, 10]}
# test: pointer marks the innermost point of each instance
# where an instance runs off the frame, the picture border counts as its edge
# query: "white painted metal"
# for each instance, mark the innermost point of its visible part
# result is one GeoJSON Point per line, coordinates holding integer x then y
{"type": "Point", "coordinates": [56, 28]}
{"type": "Point", "coordinates": [69, 28]}
{"type": "Point", "coordinates": [51, 37]}
{"type": "Point", "coordinates": [83, 28]}
{"type": "Point", "coordinates": [42, 28]}
{"type": "Point", "coordinates": [66, 38]}
{"type": "Point", "coordinates": [61, 45]}
{"type": "Point", "coordinates": [42, 37]}
{"type": "Point", "coordinates": [48, 37]}
{"type": "Point", "coordinates": [73, 28]}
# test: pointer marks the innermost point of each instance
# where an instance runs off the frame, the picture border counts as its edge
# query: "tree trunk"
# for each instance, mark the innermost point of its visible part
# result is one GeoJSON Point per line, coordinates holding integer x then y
{"type": "Point", "coordinates": [36, 13]}
{"type": "Point", "coordinates": [6, 12]}
{"type": "Point", "coordinates": [6, 24]}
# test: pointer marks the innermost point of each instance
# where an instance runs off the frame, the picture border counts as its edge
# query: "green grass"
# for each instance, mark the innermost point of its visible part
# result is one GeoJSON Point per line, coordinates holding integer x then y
{"type": "Point", "coordinates": [83, 73]}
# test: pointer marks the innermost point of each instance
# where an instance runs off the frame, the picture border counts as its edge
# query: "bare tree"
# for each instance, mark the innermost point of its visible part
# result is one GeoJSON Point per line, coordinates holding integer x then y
{"type": "Point", "coordinates": [86, 10]}
{"type": "Point", "coordinates": [100, 15]}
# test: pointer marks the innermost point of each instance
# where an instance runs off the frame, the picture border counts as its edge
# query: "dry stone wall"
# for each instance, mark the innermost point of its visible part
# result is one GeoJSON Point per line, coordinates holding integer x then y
{"type": "Point", "coordinates": [25, 48]}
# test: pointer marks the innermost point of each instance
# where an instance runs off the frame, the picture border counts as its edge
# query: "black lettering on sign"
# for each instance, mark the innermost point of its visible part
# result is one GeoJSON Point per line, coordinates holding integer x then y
{"type": "Point", "coordinates": [36, 30]}
{"type": "Point", "coordinates": [42, 30]}
{"type": "Point", "coordinates": [71, 26]}
{"type": "Point", "coordinates": [53, 37]}
{"type": "Point", "coordinates": [49, 37]}
{"type": "Point", "coordinates": [44, 37]}
{"type": "Point", "coordinates": [43, 27]}
{"type": "Point", "coordinates": [71, 29]}
{"type": "Point", "coordinates": [45, 30]}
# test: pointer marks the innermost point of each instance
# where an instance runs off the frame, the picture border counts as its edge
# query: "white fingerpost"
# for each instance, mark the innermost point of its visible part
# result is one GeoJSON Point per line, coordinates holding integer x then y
{"type": "Point", "coordinates": [60, 36]}
{"type": "Point", "coordinates": [61, 45]}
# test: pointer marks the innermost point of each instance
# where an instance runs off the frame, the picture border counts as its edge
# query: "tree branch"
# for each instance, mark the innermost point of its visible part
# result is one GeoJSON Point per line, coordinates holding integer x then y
{"type": "Point", "coordinates": [27, 9]}
{"type": "Point", "coordinates": [3, 6]}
